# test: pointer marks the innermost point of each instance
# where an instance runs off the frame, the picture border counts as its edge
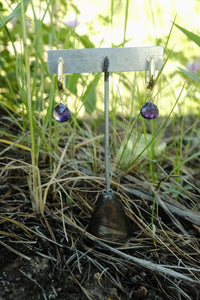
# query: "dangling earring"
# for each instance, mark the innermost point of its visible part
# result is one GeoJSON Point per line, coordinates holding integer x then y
{"type": "Point", "coordinates": [61, 112]}
{"type": "Point", "coordinates": [61, 81]}
{"type": "Point", "coordinates": [149, 110]}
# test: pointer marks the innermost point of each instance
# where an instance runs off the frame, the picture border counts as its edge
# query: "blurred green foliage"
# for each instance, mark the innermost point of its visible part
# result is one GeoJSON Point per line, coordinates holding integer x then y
{"type": "Point", "coordinates": [46, 29]}
{"type": "Point", "coordinates": [29, 93]}
{"type": "Point", "coordinates": [40, 37]}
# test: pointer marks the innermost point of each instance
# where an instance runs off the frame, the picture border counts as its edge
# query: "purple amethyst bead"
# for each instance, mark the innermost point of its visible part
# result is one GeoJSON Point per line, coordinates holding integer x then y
{"type": "Point", "coordinates": [149, 110]}
{"type": "Point", "coordinates": [61, 113]}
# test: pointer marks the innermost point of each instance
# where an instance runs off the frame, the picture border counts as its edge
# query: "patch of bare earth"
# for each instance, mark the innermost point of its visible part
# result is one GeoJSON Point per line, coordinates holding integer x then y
{"type": "Point", "coordinates": [52, 256]}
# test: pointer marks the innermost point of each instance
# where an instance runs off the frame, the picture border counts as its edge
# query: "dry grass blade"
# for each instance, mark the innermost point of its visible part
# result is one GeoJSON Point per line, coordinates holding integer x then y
{"type": "Point", "coordinates": [35, 282]}
{"type": "Point", "coordinates": [82, 288]}
{"type": "Point", "coordinates": [53, 176]}
{"type": "Point", "coordinates": [174, 207]}
{"type": "Point", "coordinates": [162, 270]}
{"type": "Point", "coordinates": [18, 224]}
{"type": "Point", "coordinates": [161, 255]}
{"type": "Point", "coordinates": [12, 235]}
{"type": "Point", "coordinates": [15, 251]}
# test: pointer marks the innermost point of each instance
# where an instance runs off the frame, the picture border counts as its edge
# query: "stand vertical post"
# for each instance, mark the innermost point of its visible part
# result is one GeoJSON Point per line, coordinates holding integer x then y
{"type": "Point", "coordinates": [108, 220]}
{"type": "Point", "coordinates": [106, 120]}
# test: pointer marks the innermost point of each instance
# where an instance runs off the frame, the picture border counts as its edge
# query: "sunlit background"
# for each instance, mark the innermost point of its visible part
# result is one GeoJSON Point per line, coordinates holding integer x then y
{"type": "Point", "coordinates": [147, 20]}
{"type": "Point", "coordinates": [133, 23]}
{"type": "Point", "coordinates": [148, 23]}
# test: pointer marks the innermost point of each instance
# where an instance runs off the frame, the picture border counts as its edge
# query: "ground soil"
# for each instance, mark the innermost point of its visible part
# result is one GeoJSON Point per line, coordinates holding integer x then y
{"type": "Point", "coordinates": [47, 256]}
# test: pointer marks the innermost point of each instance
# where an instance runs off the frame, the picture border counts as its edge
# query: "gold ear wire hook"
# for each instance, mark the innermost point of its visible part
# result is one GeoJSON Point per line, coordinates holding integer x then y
{"type": "Point", "coordinates": [61, 82]}
{"type": "Point", "coordinates": [150, 74]}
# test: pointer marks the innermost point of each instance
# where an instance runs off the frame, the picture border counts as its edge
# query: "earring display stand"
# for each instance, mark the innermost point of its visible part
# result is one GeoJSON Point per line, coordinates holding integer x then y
{"type": "Point", "coordinates": [108, 220]}
{"type": "Point", "coordinates": [92, 60]}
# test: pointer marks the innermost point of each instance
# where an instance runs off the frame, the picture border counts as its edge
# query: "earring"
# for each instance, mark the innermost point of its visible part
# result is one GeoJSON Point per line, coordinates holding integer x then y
{"type": "Point", "coordinates": [61, 82]}
{"type": "Point", "coordinates": [149, 110]}
{"type": "Point", "coordinates": [61, 112]}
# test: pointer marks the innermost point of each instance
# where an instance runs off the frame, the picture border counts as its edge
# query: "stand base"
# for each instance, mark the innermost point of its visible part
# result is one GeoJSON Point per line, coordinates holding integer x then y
{"type": "Point", "coordinates": [109, 220]}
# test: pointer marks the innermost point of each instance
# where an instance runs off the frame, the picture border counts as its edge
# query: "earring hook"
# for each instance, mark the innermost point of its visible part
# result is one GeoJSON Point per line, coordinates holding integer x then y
{"type": "Point", "coordinates": [61, 82]}
{"type": "Point", "coordinates": [150, 74]}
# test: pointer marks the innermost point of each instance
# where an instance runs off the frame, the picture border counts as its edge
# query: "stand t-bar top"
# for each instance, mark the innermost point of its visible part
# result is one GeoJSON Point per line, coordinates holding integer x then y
{"type": "Point", "coordinates": [92, 60]}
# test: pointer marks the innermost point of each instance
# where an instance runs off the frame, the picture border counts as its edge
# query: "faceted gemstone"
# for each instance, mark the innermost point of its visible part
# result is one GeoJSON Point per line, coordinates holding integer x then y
{"type": "Point", "coordinates": [149, 110]}
{"type": "Point", "coordinates": [61, 113]}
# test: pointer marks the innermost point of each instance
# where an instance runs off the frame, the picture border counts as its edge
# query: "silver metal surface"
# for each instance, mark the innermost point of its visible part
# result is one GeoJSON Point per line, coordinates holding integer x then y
{"type": "Point", "coordinates": [106, 122]}
{"type": "Point", "coordinates": [92, 60]}
{"type": "Point", "coordinates": [106, 60]}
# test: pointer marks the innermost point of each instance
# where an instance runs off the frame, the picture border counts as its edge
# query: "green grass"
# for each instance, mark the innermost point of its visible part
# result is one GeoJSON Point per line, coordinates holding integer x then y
{"type": "Point", "coordinates": [29, 94]}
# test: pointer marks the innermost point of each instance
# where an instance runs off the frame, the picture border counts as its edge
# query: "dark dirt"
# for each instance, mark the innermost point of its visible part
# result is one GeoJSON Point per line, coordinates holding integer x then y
{"type": "Point", "coordinates": [47, 266]}
{"type": "Point", "coordinates": [42, 276]}
{"type": "Point", "coordinates": [50, 256]}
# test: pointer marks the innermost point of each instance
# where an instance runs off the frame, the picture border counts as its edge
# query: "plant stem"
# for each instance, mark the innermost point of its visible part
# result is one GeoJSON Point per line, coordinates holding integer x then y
{"type": "Point", "coordinates": [125, 21]}
{"type": "Point", "coordinates": [34, 171]}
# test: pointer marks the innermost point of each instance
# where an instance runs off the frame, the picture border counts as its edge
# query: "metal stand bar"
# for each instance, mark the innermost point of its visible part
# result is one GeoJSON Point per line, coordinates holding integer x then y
{"type": "Point", "coordinates": [91, 60]}
{"type": "Point", "coordinates": [106, 120]}
{"type": "Point", "coordinates": [105, 60]}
